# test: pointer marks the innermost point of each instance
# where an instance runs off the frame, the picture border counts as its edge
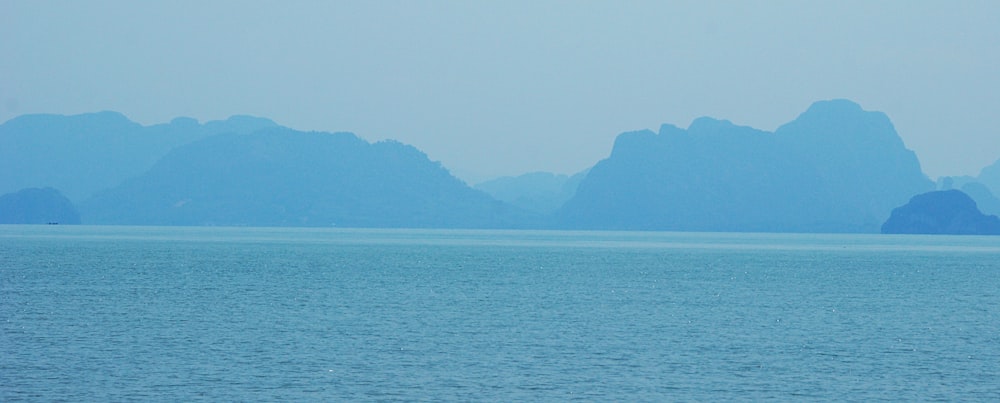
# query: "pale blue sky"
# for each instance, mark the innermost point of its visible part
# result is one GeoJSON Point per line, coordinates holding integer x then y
{"type": "Point", "coordinates": [501, 88]}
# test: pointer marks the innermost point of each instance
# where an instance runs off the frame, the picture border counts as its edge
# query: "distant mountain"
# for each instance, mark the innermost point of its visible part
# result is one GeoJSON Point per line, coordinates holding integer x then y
{"type": "Point", "coordinates": [541, 192]}
{"type": "Point", "coordinates": [948, 212]}
{"type": "Point", "coordinates": [282, 177]}
{"type": "Point", "coordinates": [984, 198]}
{"type": "Point", "coordinates": [37, 206]}
{"type": "Point", "coordinates": [990, 176]}
{"type": "Point", "coordinates": [82, 154]}
{"type": "Point", "coordinates": [953, 182]}
{"type": "Point", "coordinates": [836, 168]}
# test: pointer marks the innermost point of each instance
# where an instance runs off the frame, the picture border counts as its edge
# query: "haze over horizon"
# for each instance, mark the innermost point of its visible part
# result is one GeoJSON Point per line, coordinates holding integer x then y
{"type": "Point", "coordinates": [493, 89]}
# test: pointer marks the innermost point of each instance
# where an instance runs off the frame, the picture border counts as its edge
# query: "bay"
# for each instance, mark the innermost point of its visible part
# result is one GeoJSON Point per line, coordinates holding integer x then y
{"type": "Point", "coordinates": [153, 313]}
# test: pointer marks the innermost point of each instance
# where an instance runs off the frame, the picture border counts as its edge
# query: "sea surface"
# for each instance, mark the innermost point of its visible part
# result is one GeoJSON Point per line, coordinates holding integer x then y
{"type": "Point", "coordinates": [237, 314]}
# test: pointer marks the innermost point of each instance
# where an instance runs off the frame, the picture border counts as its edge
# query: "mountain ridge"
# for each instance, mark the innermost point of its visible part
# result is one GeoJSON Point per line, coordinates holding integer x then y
{"type": "Point", "coordinates": [82, 154]}
{"type": "Point", "coordinates": [283, 177]}
{"type": "Point", "coordinates": [835, 168]}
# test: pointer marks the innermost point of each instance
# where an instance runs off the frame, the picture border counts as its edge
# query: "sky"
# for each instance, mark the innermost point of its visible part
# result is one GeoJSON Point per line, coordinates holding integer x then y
{"type": "Point", "coordinates": [492, 88]}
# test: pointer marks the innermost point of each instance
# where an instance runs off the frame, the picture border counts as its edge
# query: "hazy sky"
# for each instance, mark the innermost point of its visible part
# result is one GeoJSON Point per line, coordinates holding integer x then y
{"type": "Point", "coordinates": [502, 87]}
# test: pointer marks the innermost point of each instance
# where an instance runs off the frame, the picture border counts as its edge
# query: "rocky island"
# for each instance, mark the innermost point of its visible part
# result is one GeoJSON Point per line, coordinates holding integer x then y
{"type": "Point", "coordinates": [949, 212]}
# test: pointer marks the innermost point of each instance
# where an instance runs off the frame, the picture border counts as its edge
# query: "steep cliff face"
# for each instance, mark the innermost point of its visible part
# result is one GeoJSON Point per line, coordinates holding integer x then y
{"type": "Point", "coordinates": [836, 168]}
{"type": "Point", "coordinates": [950, 212]}
{"type": "Point", "coordinates": [858, 157]}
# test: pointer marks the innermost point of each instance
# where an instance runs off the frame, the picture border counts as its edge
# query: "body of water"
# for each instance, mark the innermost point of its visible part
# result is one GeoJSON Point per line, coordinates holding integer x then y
{"type": "Point", "coordinates": [234, 314]}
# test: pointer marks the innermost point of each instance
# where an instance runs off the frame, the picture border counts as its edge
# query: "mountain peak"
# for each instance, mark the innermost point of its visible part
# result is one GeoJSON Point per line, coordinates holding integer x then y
{"type": "Point", "coordinates": [248, 119]}
{"type": "Point", "coordinates": [101, 119]}
{"type": "Point", "coordinates": [669, 130]}
{"type": "Point", "coordinates": [838, 106]}
{"type": "Point", "coordinates": [835, 113]}
{"type": "Point", "coordinates": [706, 123]}
{"type": "Point", "coordinates": [840, 122]}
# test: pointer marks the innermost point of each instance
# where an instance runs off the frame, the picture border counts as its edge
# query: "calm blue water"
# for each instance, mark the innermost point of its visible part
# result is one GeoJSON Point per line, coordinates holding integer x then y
{"type": "Point", "coordinates": [124, 313]}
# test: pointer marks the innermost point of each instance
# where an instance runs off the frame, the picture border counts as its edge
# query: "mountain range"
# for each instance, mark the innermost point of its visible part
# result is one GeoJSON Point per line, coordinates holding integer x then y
{"type": "Point", "coordinates": [541, 192]}
{"type": "Point", "coordinates": [983, 188]}
{"type": "Point", "coordinates": [835, 168]}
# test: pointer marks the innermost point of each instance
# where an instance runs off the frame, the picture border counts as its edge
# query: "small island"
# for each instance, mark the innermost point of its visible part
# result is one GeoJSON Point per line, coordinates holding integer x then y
{"type": "Point", "coordinates": [946, 212]}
